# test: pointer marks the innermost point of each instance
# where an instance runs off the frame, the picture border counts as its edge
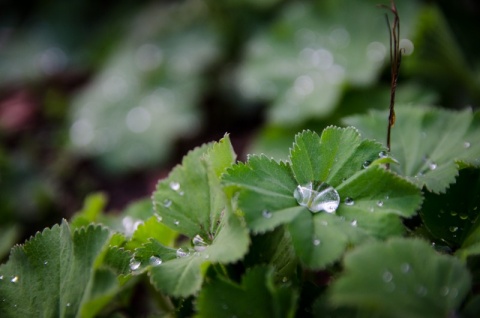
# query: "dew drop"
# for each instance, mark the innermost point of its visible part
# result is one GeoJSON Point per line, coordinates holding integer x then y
{"type": "Point", "coordinates": [167, 203]}
{"type": "Point", "coordinates": [366, 164]}
{"type": "Point", "coordinates": [466, 144]}
{"type": "Point", "coordinates": [154, 260]}
{"type": "Point", "coordinates": [324, 223]}
{"type": "Point", "coordinates": [134, 264]}
{"type": "Point", "coordinates": [387, 197]}
{"type": "Point", "coordinates": [354, 223]}
{"type": "Point", "coordinates": [45, 263]}
{"type": "Point", "coordinates": [266, 214]}
{"type": "Point", "coordinates": [159, 217]}
{"type": "Point", "coordinates": [316, 242]}
{"type": "Point", "coordinates": [317, 196]}
{"type": "Point", "coordinates": [206, 256]}
{"type": "Point", "coordinates": [176, 222]}
{"type": "Point", "coordinates": [453, 229]}
{"type": "Point", "coordinates": [284, 279]}
{"type": "Point", "coordinates": [68, 304]}
{"type": "Point", "coordinates": [380, 203]}
{"type": "Point", "coordinates": [432, 165]}
{"type": "Point", "coordinates": [405, 268]}
{"type": "Point", "coordinates": [349, 201]}
{"type": "Point", "coordinates": [182, 253]}
{"type": "Point", "coordinates": [382, 154]}
{"type": "Point", "coordinates": [390, 287]}
{"type": "Point", "coordinates": [463, 216]}
{"type": "Point", "coordinates": [199, 243]}
{"type": "Point", "coordinates": [14, 279]}
{"type": "Point", "coordinates": [387, 277]}
{"type": "Point", "coordinates": [453, 213]}
{"type": "Point", "coordinates": [1, 277]}
{"type": "Point", "coordinates": [175, 186]}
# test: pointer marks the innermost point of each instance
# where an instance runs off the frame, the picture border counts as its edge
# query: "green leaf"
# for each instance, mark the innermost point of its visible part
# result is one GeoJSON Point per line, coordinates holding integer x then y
{"type": "Point", "coordinates": [401, 278]}
{"type": "Point", "coordinates": [152, 228]}
{"type": "Point", "coordinates": [257, 296]}
{"type": "Point", "coordinates": [180, 272]}
{"type": "Point", "coordinates": [93, 207]}
{"type": "Point", "coordinates": [192, 202]}
{"type": "Point", "coordinates": [451, 217]}
{"type": "Point", "coordinates": [52, 274]}
{"type": "Point", "coordinates": [371, 199]}
{"type": "Point", "coordinates": [429, 143]}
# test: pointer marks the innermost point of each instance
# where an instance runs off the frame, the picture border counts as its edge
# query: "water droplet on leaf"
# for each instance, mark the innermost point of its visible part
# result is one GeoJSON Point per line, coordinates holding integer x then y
{"type": "Point", "coordinates": [14, 279]}
{"type": "Point", "coordinates": [366, 164]}
{"type": "Point", "coordinates": [354, 223]}
{"type": "Point", "coordinates": [175, 186]}
{"type": "Point", "coordinates": [453, 213]}
{"type": "Point", "coordinates": [421, 291]}
{"type": "Point", "coordinates": [316, 242]}
{"type": "Point", "coordinates": [444, 291]}
{"type": "Point", "coordinates": [266, 214]}
{"type": "Point", "coordinates": [317, 196]}
{"type": "Point", "coordinates": [154, 260]}
{"type": "Point", "coordinates": [463, 216]}
{"type": "Point", "coordinates": [176, 222]}
{"type": "Point", "coordinates": [349, 201]}
{"type": "Point", "coordinates": [453, 229]}
{"type": "Point", "coordinates": [466, 144]}
{"type": "Point", "coordinates": [382, 154]}
{"type": "Point", "coordinates": [134, 264]}
{"type": "Point", "coordinates": [380, 203]}
{"type": "Point", "coordinates": [167, 203]}
{"type": "Point", "coordinates": [199, 243]}
{"type": "Point", "coordinates": [68, 304]}
{"type": "Point", "coordinates": [182, 253]}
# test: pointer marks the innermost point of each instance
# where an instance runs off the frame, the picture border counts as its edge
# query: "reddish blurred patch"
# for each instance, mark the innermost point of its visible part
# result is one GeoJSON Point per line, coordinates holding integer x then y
{"type": "Point", "coordinates": [17, 111]}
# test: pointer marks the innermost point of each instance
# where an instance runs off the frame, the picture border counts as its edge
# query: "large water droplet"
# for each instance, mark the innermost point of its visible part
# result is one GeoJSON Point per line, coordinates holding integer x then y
{"type": "Point", "coordinates": [14, 279]}
{"type": "Point", "coordinates": [182, 253]}
{"type": "Point", "coordinates": [154, 260]}
{"type": "Point", "coordinates": [317, 196]}
{"type": "Point", "coordinates": [387, 276]}
{"type": "Point", "coordinates": [199, 243]}
{"type": "Point", "coordinates": [266, 214]}
{"type": "Point", "coordinates": [134, 264]}
{"type": "Point", "coordinates": [349, 201]}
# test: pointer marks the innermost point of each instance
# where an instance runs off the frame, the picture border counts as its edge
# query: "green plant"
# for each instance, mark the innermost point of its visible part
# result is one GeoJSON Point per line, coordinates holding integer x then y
{"type": "Point", "coordinates": [330, 230]}
{"type": "Point", "coordinates": [345, 227]}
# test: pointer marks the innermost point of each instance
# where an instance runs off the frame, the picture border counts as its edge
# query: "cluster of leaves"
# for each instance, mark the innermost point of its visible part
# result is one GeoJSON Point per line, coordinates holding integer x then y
{"type": "Point", "coordinates": [224, 239]}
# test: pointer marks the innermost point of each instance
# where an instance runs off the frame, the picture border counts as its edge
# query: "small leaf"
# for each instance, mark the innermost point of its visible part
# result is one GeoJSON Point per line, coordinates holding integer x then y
{"type": "Point", "coordinates": [429, 143]}
{"type": "Point", "coordinates": [411, 280]}
{"type": "Point", "coordinates": [192, 202]}
{"type": "Point", "coordinates": [51, 274]}
{"type": "Point", "coordinates": [152, 228]}
{"type": "Point", "coordinates": [93, 207]}
{"type": "Point", "coordinates": [257, 296]}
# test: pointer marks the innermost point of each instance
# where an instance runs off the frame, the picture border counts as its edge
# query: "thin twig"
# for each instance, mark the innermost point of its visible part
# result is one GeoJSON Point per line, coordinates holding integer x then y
{"type": "Point", "coordinates": [395, 60]}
